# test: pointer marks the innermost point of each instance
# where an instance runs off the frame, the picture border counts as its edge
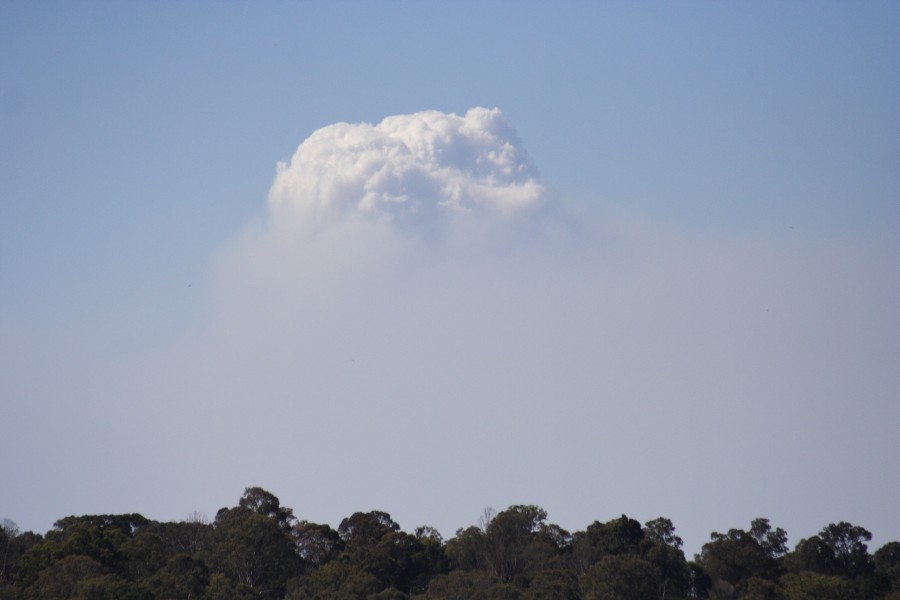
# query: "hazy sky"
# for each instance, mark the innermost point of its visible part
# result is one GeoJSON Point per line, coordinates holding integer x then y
{"type": "Point", "coordinates": [430, 258]}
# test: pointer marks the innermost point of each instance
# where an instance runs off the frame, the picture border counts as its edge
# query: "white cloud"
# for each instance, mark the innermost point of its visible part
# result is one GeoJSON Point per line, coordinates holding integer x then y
{"type": "Point", "coordinates": [421, 168]}
{"type": "Point", "coordinates": [362, 209]}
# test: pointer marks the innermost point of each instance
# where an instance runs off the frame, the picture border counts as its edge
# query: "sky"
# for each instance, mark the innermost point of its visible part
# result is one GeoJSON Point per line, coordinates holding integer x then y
{"type": "Point", "coordinates": [431, 258]}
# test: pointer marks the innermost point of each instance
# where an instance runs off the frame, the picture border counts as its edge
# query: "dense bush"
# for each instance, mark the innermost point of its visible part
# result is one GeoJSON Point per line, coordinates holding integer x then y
{"type": "Point", "coordinates": [259, 550]}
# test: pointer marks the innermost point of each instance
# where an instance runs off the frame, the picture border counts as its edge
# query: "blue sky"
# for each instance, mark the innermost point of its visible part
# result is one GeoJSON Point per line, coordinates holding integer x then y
{"type": "Point", "coordinates": [720, 162]}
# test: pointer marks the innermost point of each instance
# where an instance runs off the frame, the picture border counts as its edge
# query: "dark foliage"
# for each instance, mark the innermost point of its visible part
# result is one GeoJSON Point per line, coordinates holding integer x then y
{"type": "Point", "coordinates": [259, 550]}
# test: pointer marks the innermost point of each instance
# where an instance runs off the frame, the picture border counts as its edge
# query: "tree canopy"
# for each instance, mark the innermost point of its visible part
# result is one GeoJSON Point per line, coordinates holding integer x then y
{"type": "Point", "coordinates": [258, 549]}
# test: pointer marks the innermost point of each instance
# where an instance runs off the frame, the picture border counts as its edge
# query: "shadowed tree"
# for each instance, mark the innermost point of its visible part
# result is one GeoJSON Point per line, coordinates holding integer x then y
{"type": "Point", "coordinates": [846, 545]}
{"type": "Point", "coordinates": [336, 580]}
{"type": "Point", "coordinates": [222, 588]}
{"type": "Point", "coordinates": [181, 578]}
{"type": "Point", "coordinates": [674, 573]}
{"type": "Point", "coordinates": [78, 577]}
{"type": "Point", "coordinates": [838, 549]}
{"type": "Point", "coordinates": [317, 544]}
{"type": "Point", "coordinates": [262, 502]}
{"type": "Point", "coordinates": [458, 585]}
{"type": "Point", "coordinates": [366, 528]}
{"type": "Point", "coordinates": [621, 577]}
{"type": "Point", "coordinates": [887, 562]}
{"type": "Point", "coordinates": [507, 539]}
{"type": "Point", "coordinates": [662, 530]}
{"type": "Point", "coordinates": [733, 558]}
{"type": "Point", "coordinates": [155, 543]}
{"type": "Point", "coordinates": [465, 551]}
{"type": "Point", "coordinates": [102, 537]}
{"type": "Point", "coordinates": [552, 584]}
{"type": "Point", "coordinates": [498, 591]}
{"type": "Point", "coordinates": [815, 586]}
{"type": "Point", "coordinates": [253, 546]}
{"type": "Point", "coordinates": [772, 541]}
{"type": "Point", "coordinates": [9, 531]}
{"type": "Point", "coordinates": [618, 536]}
{"type": "Point", "coordinates": [397, 560]}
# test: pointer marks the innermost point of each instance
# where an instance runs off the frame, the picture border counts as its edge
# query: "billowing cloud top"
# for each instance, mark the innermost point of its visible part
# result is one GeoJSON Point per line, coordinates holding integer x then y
{"type": "Point", "coordinates": [425, 165]}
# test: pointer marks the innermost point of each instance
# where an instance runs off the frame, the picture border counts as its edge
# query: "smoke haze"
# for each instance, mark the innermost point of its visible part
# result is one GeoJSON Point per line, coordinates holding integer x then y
{"type": "Point", "coordinates": [416, 325]}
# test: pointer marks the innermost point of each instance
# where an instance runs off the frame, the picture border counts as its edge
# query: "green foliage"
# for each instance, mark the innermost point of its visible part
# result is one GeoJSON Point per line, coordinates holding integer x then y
{"type": "Point", "coordinates": [772, 541]}
{"type": "Point", "coordinates": [317, 544]}
{"type": "Point", "coordinates": [838, 549]}
{"type": "Point", "coordinates": [389, 594]}
{"type": "Point", "coordinates": [34, 560]}
{"type": "Point", "coordinates": [152, 545]}
{"type": "Point", "coordinates": [621, 577]}
{"type": "Point", "coordinates": [9, 531]}
{"type": "Point", "coordinates": [458, 585]}
{"type": "Point", "coordinates": [552, 584]}
{"type": "Point", "coordinates": [807, 585]}
{"type": "Point", "coordinates": [366, 528]}
{"type": "Point", "coordinates": [13, 547]}
{"type": "Point", "coordinates": [222, 588]}
{"type": "Point", "coordinates": [511, 543]}
{"type": "Point", "coordinates": [466, 550]}
{"type": "Point", "coordinates": [887, 562]}
{"type": "Point", "coordinates": [336, 580]}
{"type": "Point", "coordinates": [183, 577]}
{"type": "Point", "coordinates": [253, 549]}
{"type": "Point", "coordinates": [100, 537]}
{"type": "Point", "coordinates": [498, 591]}
{"type": "Point", "coordinates": [78, 577]}
{"type": "Point", "coordinates": [759, 589]}
{"type": "Point", "coordinates": [733, 559]}
{"type": "Point", "coordinates": [257, 550]}
{"type": "Point", "coordinates": [661, 530]}
{"type": "Point", "coordinates": [109, 587]}
{"type": "Point", "coordinates": [59, 579]}
{"type": "Point", "coordinates": [261, 502]}
{"type": "Point", "coordinates": [619, 536]}
{"type": "Point", "coordinates": [674, 572]}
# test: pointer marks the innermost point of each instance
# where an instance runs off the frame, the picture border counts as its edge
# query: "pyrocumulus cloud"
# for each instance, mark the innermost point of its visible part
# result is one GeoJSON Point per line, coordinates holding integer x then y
{"type": "Point", "coordinates": [420, 167]}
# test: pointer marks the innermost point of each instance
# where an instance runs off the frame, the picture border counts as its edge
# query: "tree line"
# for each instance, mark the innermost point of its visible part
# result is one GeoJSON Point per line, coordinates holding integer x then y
{"type": "Point", "coordinates": [260, 550]}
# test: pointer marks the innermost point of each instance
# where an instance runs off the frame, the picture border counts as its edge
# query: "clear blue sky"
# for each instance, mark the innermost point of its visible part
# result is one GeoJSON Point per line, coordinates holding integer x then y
{"type": "Point", "coordinates": [725, 160]}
